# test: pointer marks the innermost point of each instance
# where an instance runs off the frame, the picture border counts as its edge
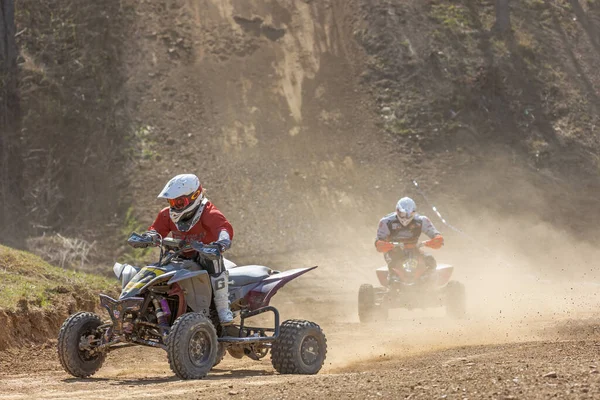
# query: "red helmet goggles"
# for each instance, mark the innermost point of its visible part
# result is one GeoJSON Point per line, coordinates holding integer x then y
{"type": "Point", "coordinates": [182, 202]}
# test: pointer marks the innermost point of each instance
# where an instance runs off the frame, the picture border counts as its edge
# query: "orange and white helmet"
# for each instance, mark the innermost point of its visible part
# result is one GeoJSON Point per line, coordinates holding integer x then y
{"type": "Point", "coordinates": [185, 197]}
{"type": "Point", "coordinates": [406, 209]}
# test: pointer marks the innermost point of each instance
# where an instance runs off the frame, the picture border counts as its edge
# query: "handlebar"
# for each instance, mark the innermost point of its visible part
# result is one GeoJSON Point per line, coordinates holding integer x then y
{"type": "Point", "coordinates": [138, 241]}
{"type": "Point", "coordinates": [210, 251]}
{"type": "Point", "coordinates": [141, 241]}
{"type": "Point", "coordinates": [408, 246]}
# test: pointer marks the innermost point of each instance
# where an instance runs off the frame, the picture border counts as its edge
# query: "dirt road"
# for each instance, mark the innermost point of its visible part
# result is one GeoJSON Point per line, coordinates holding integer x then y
{"type": "Point", "coordinates": [417, 355]}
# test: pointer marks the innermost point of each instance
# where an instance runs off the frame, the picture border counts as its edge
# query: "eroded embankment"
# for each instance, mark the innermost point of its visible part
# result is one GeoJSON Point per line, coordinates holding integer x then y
{"type": "Point", "coordinates": [36, 297]}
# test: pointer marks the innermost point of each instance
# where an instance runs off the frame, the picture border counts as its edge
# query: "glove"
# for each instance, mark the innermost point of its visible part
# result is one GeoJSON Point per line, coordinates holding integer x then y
{"type": "Point", "coordinates": [383, 247]}
{"type": "Point", "coordinates": [223, 244]}
{"type": "Point", "coordinates": [436, 243]}
{"type": "Point", "coordinates": [224, 241]}
{"type": "Point", "coordinates": [153, 236]}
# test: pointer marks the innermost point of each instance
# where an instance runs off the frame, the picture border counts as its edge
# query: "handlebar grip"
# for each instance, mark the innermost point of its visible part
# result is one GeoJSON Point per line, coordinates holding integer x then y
{"type": "Point", "coordinates": [139, 241]}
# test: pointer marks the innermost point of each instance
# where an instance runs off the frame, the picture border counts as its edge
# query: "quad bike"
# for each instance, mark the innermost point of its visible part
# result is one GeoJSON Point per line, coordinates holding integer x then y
{"type": "Point", "coordinates": [169, 305]}
{"type": "Point", "coordinates": [411, 284]}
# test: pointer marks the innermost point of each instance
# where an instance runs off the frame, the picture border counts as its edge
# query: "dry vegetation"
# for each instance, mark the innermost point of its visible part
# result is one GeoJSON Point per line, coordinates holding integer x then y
{"type": "Point", "coordinates": [75, 126]}
{"type": "Point", "coordinates": [445, 81]}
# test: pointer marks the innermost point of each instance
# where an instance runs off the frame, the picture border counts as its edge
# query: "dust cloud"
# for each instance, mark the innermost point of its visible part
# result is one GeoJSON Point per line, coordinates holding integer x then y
{"type": "Point", "coordinates": [523, 276]}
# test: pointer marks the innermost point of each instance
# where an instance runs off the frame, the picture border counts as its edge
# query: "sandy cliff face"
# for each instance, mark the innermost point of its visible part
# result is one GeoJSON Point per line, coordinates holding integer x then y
{"type": "Point", "coordinates": [261, 100]}
{"type": "Point", "coordinates": [273, 104]}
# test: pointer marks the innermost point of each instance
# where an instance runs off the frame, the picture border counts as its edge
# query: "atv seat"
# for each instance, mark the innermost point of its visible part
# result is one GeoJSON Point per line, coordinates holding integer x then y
{"type": "Point", "coordinates": [240, 276]}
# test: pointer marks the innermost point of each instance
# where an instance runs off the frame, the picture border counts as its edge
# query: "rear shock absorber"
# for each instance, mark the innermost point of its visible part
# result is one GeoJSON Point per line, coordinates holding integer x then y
{"type": "Point", "coordinates": [161, 316]}
{"type": "Point", "coordinates": [164, 305]}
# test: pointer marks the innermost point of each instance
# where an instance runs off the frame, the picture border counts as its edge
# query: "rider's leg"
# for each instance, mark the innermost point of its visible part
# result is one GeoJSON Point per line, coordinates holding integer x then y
{"type": "Point", "coordinates": [220, 283]}
{"type": "Point", "coordinates": [393, 260]}
{"type": "Point", "coordinates": [219, 278]}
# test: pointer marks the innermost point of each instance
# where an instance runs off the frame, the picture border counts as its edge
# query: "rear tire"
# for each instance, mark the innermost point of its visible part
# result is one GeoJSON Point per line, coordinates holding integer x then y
{"type": "Point", "coordinates": [192, 346]}
{"type": "Point", "coordinates": [300, 349]}
{"type": "Point", "coordinates": [368, 311]}
{"type": "Point", "coordinates": [73, 332]}
{"type": "Point", "coordinates": [455, 300]}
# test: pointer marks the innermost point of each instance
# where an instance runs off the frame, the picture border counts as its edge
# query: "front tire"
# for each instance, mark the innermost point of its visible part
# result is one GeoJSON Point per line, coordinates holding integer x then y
{"type": "Point", "coordinates": [192, 346]}
{"type": "Point", "coordinates": [368, 310]}
{"type": "Point", "coordinates": [300, 349]}
{"type": "Point", "coordinates": [75, 334]}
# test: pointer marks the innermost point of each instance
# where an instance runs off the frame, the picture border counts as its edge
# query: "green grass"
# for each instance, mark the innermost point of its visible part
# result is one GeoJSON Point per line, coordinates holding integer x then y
{"type": "Point", "coordinates": [26, 277]}
{"type": "Point", "coordinates": [455, 18]}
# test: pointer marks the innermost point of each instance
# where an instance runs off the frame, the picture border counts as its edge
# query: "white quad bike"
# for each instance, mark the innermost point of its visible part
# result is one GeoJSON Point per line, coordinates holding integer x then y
{"type": "Point", "coordinates": [411, 284]}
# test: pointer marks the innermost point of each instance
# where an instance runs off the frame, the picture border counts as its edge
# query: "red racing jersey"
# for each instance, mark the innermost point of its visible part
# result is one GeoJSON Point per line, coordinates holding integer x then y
{"type": "Point", "coordinates": [207, 229]}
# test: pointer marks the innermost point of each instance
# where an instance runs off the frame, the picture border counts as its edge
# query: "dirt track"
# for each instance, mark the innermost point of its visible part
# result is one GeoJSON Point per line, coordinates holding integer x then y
{"type": "Point", "coordinates": [417, 355]}
{"type": "Point", "coordinates": [519, 329]}
{"type": "Point", "coordinates": [407, 370]}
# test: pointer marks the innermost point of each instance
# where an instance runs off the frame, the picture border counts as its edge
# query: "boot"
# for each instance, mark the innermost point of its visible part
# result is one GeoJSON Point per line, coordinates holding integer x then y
{"type": "Point", "coordinates": [220, 284]}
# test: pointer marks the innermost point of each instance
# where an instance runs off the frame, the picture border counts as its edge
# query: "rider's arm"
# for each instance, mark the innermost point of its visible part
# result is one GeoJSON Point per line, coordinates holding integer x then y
{"type": "Point", "coordinates": [224, 240]}
{"type": "Point", "coordinates": [437, 240]}
{"type": "Point", "coordinates": [161, 223]}
{"type": "Point", "coordinates": [221, 231]}
{"type": "Point", "coordinates": [383, 234]}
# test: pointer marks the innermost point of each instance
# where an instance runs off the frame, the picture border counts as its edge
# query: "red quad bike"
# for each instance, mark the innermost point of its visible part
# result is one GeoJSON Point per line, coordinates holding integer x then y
{"type": "Point", "coordinates": [411, 284]}
{"type": "Point", "coordinates": [169, 305]}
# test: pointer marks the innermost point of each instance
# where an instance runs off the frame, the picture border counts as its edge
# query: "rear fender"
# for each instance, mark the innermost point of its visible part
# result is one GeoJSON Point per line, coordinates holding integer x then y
{"type": "Point", "coordinates": [382, 275]}
{"type": "Point", "coordinates": [261, 294]}
{"type": "Point", "coordinates": [443, 273]}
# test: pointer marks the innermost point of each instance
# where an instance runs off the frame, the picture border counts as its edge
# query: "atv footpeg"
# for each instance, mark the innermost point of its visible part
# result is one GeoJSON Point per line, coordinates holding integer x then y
{"type": "Point", "coordinates": [245, 333]}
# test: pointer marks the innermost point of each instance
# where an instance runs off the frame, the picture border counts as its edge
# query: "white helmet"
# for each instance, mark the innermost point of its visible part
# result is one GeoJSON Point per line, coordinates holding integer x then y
{"type": "Point", "coordinates": [406, 210]}
{"type": "Point", "coordinates": [186, 201]}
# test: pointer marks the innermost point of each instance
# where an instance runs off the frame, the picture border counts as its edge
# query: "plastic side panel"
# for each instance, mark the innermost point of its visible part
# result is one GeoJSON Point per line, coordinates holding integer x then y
{"type": "Point", "coordinates": [185, 274]}
{"type": "Point", "coordinates": [382, 274]}
{"type": "Point", "coordinates": [198, 292]}
{"type": "Point", "coordinates": [238, 293]}
{"type": "Point", "coordinates": [443, 272]}
{"type": "Point", "coordinates": [157, 279]}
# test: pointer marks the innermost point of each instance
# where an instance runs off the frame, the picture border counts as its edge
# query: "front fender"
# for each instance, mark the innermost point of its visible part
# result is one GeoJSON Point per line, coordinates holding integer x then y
{"type": "Point", "coordinates": [124, 273]}
{"type": "Point", "coordinates": [197, 288]}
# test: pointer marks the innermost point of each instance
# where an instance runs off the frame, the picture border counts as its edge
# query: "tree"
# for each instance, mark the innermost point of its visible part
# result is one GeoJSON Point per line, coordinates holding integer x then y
{"type": "Point", "coordinates": [9, 119]}
{"type": "Point", "coordinates": [502, 24]}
